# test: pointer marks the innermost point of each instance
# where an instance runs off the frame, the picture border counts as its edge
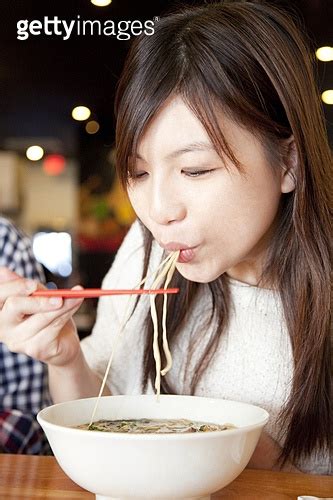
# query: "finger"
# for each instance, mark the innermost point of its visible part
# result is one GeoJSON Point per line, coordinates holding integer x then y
{"type": "Point", "coordinates": [54, 328]}
{"type": "Point", "coordinates": [37, 338]}
{"type": "Point", "coordinates": [43, 320]}
{"type": "Point", "coordinates": [16, 287]}
{"type": "Point", "coordinates": [17, 308]}
{"type": "Point", "coordinates": [7, 275]}
{"type": "Point", "coordinates": [25, 330]}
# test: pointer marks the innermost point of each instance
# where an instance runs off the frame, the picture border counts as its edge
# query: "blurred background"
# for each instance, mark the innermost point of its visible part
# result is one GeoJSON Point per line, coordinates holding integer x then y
{"type": "Point", "coordinates": [57, 178]}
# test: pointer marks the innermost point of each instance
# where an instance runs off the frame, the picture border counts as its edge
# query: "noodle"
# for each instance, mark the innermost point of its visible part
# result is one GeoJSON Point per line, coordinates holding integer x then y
{"type": "Point", "coordinates": [165, 302]}
{"type": "Point", "coordinates": [169, 268]}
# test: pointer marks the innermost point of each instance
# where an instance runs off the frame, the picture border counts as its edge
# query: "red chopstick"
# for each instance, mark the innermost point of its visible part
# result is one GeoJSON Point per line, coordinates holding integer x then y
{"type": "Point", "coordinates": [98, 292]}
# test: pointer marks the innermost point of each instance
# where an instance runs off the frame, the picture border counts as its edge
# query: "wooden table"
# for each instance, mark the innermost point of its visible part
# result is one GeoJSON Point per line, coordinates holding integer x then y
{"type": "Point", "coordinates": [30, 477]}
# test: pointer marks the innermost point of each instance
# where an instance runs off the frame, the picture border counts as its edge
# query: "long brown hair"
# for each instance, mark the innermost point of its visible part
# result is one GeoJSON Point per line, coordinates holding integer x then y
{"type": "Point", "coordinates": [251, 60]}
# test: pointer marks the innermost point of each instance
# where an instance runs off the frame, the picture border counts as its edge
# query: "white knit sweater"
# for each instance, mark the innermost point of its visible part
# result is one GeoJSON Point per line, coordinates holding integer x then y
{"type": "Point", "coordinates": [253, 363]}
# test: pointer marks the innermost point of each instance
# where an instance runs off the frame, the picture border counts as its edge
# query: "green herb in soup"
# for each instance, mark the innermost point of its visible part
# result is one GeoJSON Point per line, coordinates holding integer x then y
{"type": "Point", "coordinates": [154, 426]}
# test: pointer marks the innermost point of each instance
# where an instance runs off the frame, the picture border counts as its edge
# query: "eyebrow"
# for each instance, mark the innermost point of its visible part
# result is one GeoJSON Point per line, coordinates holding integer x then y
{"type": "Point", "coordinates": [188, 148]}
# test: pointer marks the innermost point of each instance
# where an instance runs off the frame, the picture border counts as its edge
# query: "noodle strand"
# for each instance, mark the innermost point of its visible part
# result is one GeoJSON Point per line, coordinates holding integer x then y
{"type": "Point", "coordinates": [169, 263]}
{"type": "Point", "coordinates": [166, 349]}
{"type": "Point", "coordinates": [167, 270]}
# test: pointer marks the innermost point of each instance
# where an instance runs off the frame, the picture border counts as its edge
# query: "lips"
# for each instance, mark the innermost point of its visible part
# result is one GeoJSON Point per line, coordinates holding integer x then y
{"type": "Point", "coordinates": [174, 246]}
{"type": "Point", "coordinates": [186, 253]}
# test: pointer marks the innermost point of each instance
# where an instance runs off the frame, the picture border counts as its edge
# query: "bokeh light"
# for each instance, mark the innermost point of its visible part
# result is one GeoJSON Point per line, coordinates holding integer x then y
{"type": "Point", "coordinates": [325, 54]}
{"type": "Point", "coordinates": [92, 127]}
{"type": "Point", "coordinates": [81, 113]}
{"type": "Point", "coordinates": [327, 96]}
{"type": "Point", "coordinates": [34, 153]}
{"type": "Point", "coordinates": [54, 164]}
{"type": "Point", "coordinates": [101, 3]}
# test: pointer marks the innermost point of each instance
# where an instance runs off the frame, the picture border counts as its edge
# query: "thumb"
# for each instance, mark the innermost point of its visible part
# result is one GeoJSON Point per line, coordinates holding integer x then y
{"type": "Point", "coordinates": [7, 275]}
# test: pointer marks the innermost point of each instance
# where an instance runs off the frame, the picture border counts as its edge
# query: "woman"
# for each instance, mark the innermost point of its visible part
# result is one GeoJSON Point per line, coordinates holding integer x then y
{"type": "Point", "coordinates": [222, 146]}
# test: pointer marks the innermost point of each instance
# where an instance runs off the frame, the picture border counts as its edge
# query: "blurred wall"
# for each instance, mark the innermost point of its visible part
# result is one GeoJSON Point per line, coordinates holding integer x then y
{"type": "Point", "coordinates": [49, 202]}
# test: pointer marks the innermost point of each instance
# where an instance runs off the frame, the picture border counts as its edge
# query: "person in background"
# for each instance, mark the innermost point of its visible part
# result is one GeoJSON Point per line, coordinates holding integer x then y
{"type": "Point", "coordinates": [23, 380]}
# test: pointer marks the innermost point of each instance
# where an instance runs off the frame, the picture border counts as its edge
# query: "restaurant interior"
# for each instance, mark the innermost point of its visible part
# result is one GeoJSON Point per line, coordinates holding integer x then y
{"type": "Point", "coordinates": [58, 184]}
{"type": "Point", "coordinates": [57, 155]}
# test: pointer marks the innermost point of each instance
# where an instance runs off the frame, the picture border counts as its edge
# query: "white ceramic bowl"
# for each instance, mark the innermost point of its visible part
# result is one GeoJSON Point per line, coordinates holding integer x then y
{"type": "Point", "coordinates": [153, 466]}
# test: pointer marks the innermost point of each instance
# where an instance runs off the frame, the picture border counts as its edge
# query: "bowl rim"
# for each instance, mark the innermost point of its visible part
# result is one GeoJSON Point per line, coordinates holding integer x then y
{"type": "Point", "coordinates": [151, 437]}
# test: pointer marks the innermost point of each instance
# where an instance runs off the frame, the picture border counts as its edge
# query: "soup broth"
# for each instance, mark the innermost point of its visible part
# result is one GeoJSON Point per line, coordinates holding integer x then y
{"type": "Point", "coordinates": [154, 426]}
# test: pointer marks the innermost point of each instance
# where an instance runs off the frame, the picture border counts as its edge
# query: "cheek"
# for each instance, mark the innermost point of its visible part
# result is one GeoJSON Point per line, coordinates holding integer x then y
{"type": "Point", "coordinates": [241, 215]}
{"type": "Point", "coordinates": [140, 205]}
{"type": "Point", "coordinates": [136, 200]}
{"type": "Point", "coordinates": [255, 198]}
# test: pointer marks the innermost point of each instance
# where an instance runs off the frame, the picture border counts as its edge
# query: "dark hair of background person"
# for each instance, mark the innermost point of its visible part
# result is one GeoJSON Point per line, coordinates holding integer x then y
{"type": "Point", "coordinates": [252, 61]}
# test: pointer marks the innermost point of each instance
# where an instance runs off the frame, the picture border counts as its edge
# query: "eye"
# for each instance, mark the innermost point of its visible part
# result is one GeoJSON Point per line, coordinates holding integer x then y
{"type": "Point", "coordinates": [135, 176]}
{"type": "Point", "coordinates": [197, 173]}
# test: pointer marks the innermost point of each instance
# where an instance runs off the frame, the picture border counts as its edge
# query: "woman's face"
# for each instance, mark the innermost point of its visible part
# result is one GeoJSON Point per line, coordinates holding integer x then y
{"type": "Point", "coordinates": [188, 199]}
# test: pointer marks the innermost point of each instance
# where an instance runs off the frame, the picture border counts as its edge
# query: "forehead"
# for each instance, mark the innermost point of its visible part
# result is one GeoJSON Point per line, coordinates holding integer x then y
{"type": "Point", "coordinates": [174, 126]}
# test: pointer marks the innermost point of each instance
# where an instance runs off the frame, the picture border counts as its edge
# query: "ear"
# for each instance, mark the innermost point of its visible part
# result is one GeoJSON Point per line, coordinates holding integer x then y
{"type": "Point", "coordinates": [289, 166]}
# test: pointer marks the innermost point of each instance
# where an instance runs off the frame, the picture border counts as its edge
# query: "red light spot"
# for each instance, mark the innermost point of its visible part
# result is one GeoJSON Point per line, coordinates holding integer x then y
{"type": "Point", "coordinates": [54, 164]}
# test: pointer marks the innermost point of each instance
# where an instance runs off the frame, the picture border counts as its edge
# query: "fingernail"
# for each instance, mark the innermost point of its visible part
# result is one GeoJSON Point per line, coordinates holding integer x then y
{"type": "Point", "coordinates": [55, 301]}
{"type": "Point", "coordinates": [30, 285]}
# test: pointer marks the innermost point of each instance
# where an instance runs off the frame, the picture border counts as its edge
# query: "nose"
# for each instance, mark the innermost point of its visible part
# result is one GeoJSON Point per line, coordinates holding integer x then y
{"type": "Point", "coordinates": [166, 205]}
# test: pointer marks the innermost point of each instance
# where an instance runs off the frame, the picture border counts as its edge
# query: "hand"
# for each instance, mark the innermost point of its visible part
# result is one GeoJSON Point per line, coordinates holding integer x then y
{"type": "Point", "coordinates": [266, 456]}
{"type": "Point", "coordinates": [40, 327]}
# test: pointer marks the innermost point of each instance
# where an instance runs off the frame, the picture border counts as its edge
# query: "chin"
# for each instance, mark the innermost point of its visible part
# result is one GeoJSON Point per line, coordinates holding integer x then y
{"type": "Point", "coordinates": [199, 275]}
